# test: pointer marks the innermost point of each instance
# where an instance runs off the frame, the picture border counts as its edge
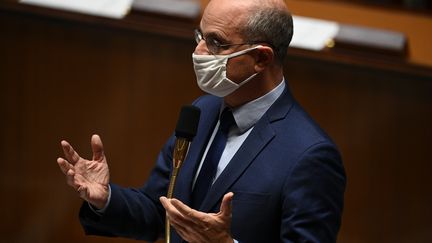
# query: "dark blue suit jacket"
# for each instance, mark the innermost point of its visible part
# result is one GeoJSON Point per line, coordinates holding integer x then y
{"type": "Point", "coordinates": [287, 177]}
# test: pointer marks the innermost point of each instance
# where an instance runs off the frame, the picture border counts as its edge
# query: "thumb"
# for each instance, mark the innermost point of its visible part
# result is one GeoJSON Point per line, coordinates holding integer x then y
{"type": "Point", "coordinates": [226, 205]}
{"type": "Point", "coordinates": [97, 148]}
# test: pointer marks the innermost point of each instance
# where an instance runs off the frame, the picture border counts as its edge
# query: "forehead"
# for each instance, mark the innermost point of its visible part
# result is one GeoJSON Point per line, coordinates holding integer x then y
{"type": "Point", "coordinates": [223, 17]}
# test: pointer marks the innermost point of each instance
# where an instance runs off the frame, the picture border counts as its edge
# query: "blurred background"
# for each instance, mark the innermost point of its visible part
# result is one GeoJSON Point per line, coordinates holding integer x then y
{"type": "Point", "coordinates": [68, 75]}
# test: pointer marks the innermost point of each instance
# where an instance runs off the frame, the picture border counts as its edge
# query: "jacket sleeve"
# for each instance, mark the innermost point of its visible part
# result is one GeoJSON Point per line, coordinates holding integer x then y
{"type": "Point", "coordinates": [138, 213]}
{"type": "Point", "coordinates": [134, 213]}
{"type": "Point", "coordinates": [313, 196]}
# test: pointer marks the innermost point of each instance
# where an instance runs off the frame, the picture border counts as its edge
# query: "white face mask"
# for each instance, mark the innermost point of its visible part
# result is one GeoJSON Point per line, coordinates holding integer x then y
{"type": "Point", "coordinates": [210, 71]}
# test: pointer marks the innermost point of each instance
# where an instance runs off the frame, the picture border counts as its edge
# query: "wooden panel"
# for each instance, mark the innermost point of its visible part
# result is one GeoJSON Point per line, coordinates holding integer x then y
{"type": "Point", "coordinates": [61, 79]}
{"type": "Point", "coordinates": [68, 76]}
{"type": "Point", "coordinates": [415, 26]}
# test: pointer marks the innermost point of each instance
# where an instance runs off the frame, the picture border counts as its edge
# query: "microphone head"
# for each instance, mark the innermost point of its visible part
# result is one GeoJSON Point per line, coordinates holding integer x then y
{"type": "Point", "coordinates": [187, 123]}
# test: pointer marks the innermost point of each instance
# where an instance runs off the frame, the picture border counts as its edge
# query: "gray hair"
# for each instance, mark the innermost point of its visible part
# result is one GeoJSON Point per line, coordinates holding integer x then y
{"type": "Point", "coordinates": [271, 25]}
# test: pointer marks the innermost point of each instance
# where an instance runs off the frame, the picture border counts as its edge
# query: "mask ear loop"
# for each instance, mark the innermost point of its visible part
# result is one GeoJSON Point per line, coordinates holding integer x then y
{"type": "Point", "coordinates": [239, 53]}
{"type": "Point", "coordinates": [246, 80]}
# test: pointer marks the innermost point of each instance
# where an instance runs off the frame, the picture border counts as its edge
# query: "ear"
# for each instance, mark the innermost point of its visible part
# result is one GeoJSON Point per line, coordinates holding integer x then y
{"type": "Point", "coordinates": [263, 58]}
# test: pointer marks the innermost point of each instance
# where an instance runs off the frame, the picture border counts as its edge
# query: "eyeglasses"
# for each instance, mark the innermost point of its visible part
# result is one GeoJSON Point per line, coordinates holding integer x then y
{"type": "Point", "coordinates": [215, 46]}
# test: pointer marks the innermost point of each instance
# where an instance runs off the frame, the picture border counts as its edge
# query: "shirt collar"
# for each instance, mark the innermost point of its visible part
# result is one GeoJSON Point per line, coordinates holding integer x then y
{"type": "Point", "coordinates": [248, 114]}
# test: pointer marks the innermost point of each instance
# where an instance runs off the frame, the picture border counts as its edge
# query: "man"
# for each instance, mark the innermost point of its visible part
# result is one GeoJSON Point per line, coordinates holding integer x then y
{"type": "Point", "coordinates": [278, 177]}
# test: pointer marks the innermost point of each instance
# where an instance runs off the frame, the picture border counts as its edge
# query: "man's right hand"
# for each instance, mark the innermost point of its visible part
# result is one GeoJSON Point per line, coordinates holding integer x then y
{"type": "Point", "coordinates": [89, 178]}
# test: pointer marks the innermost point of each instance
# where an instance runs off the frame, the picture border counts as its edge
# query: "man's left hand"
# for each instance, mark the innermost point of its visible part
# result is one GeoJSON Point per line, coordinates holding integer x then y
{"type": "Point", "coordinates": [195, 226]}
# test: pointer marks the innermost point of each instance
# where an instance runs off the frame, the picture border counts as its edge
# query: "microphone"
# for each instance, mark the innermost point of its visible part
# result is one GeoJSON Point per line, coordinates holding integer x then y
{"type": "Point", "coordinates": [186, 128]}
{"type": "Point", "coordinates": [185, 131]}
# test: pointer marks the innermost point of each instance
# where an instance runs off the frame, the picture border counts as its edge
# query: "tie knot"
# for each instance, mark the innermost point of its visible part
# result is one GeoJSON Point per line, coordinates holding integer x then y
{"type": "Point", "coordinates": [226, 120]}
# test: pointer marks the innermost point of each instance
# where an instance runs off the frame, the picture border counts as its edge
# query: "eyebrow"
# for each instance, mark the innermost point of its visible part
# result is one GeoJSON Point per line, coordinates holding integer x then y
{"type": "Point", "coordinates": [214, 35]}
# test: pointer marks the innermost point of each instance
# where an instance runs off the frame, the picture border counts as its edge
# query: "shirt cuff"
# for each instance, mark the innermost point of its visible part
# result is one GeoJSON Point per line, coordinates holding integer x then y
{"type": "Point", "coordinates": [102, 210]}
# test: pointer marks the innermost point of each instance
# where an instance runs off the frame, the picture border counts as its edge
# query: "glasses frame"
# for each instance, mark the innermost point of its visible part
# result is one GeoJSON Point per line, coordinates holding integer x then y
{"type": "Point", "coordinates": [199, 37]}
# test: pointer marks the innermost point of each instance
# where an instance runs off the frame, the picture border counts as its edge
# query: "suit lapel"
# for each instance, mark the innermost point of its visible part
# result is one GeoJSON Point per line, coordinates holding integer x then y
{"type": "Point", "coordinates": [251, 147]}
{"type": "Point", "coordinates": [260, 136]}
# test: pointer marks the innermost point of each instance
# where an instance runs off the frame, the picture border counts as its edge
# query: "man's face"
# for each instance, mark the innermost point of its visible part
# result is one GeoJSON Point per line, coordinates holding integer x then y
{"type": "Point", "coordinates": [221, 22]}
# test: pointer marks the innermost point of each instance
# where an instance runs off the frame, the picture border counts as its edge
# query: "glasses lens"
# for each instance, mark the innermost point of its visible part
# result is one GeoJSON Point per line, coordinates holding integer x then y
{"type": "Point", "coordinates": [212, 44]}
{"type": "Point", "coordinates": [212, 47]}
{"type": "Point", "coordinates": [198, 36]}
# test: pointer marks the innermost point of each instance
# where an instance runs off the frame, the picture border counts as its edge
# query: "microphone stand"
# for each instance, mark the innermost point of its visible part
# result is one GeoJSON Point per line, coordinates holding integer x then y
{"type": "Point", "coordinates": [186, 129]}
{"type": "Point", "coordinates": [180, 150]}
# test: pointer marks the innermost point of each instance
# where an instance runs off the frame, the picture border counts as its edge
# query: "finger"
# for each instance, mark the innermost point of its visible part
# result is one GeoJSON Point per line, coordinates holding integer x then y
{"type": "Point", "coordinates": [83, 192]}
{"type": "Point", "coordinates": [173, 214]}
{"type": "Point", "coordinates": [185, 210]}
{"type": "Point", "coordinates": [192, 218]}
{"type": "Point", "coordinates": [226, 205]}
{"type": "Point", "coordinates": [178, 227]}
{"type": "Point", "coordinates": [191, 223]}
{"type": "Point", "coordinates": [163, 200]}
{"type": "Point", "coordinates": [189, 235]}
{"type": "Point", "coordinates": [64, 165]}
{"type": "Point", "coordinates": [78, 183]}
{"type": "Point", "coordinates": [170, 210]}
{"type": "Point", "coordinates": [97, 147]}
{"type": "Point", "coordinates": [82, 189]}
{"type": "Point", "coordinates": [70, 179]}
{"type": "Point", "coordinates": [71, 155]}
{"type": "Point", "coordinates": [186, 232]}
